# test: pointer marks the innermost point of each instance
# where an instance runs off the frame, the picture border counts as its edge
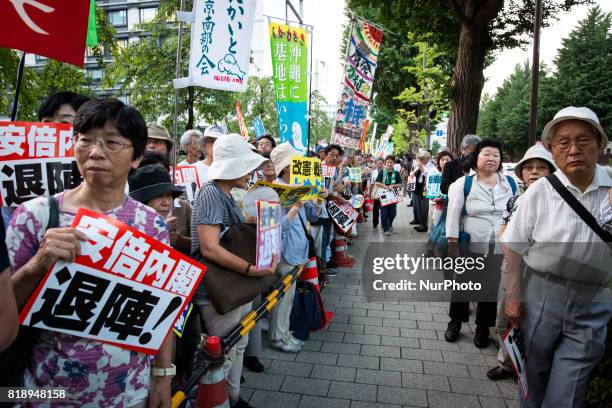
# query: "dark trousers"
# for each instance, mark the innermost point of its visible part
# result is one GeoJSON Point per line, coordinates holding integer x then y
{"type": "Point", "coordinates": [485, 313]}
{"type": "Point", "coordinates": [421, 205]}
{"type": "Point", "coordinates": [376, 213]}
{"type": "Point", "coordinates": [387, 215]}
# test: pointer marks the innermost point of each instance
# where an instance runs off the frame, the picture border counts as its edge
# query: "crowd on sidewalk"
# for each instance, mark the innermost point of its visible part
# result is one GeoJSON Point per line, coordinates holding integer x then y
{"type": "Point", "coordinates": [125, 169]}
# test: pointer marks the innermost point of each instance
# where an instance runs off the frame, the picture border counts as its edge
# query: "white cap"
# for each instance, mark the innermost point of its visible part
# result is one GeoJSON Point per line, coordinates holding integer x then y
{"type": "Point", "coordinates": [233, 158]}
{"type": "Point", "coordinates": [281, 156]}
{"type": "Point", "coordinates": [536, 151]}
{"type": "Point", "coordinates": [573, 113]}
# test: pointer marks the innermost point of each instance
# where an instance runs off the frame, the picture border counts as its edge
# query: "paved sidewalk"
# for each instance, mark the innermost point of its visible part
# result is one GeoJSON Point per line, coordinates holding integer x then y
{"type": "Point", "coordinates": [380, 352]}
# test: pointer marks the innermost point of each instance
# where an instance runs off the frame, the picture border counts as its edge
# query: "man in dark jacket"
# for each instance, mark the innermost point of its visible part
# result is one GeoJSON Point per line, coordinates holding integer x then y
{"type": "Point", "coordinates": [457, 168]}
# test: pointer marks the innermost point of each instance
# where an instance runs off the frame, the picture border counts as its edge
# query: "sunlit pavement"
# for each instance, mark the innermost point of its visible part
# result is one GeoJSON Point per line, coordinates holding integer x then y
{"type": "Point", "coordinates": [380, 352]}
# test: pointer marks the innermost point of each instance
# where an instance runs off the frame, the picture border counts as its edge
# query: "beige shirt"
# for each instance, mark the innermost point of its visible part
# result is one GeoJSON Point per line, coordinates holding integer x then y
{"type": "Point", "coordinates": [544, 221]}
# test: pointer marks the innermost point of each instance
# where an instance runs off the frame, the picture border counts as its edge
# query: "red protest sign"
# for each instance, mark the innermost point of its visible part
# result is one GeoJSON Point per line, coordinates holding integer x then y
{"type": "Point", "coordinates": [188, 178]}
{"type": "Point", "coordinates": [37, 159]}
{"type": "Point", "coordinates": [55, 29]}
{"type": "Point", "coordinates": [125, 288]}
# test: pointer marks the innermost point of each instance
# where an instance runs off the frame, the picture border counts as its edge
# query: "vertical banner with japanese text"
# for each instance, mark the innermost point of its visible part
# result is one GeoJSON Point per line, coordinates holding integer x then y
{"type": "Point", "coordinates": [125, 288]}
{"type": "Point", "coordinates": [219, 56]}
{"type": "Point", "coordinates": [289, 48]}
{"type": "Point", "coordinates": [356, 89]}
{"type": "Point", "coordinates": [268, 233]}
{"type": "Point", "coordinates": [36, 160]}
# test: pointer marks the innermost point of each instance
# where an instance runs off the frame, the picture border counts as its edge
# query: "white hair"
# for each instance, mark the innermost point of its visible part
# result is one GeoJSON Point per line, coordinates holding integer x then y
{"type": "Point", "coordinates": [469, 140]}
{"type": "Point", "coordinates": [186, 138]}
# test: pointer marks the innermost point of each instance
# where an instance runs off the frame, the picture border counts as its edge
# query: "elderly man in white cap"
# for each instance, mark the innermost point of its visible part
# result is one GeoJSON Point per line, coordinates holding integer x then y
{"type": "Point", "coordinates": [535, 164]}
{"type": "Point", "coordinates": [567, 304]}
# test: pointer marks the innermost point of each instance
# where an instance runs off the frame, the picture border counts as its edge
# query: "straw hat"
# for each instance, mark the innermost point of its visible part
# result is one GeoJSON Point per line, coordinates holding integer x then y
{"type": "Point", "coordinates": [281, 156]}
{"type": "Point", "coordinates": [573, 113]}
{"type": "Point", "coordinates": [233, 158]}
{"type": "Point", "coordinates": [536, 151]}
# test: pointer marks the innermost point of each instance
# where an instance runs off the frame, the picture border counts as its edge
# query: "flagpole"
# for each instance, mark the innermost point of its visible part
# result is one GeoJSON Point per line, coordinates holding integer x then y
{"type": "Point", "coordinates": [176, 92]}
{"type": "Point", "coordinates": [310, 90]}
{"type": "Point", "coordinates": [18, 86]}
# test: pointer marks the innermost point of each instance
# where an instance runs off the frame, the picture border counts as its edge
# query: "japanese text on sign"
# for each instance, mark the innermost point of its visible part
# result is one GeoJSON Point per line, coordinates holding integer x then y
{"type": "Point", "coordinates": [307, 171]}
{"type": "Point", "coordinates": [344, 215]}
{"type": "Point", "coordinates": [187, 177]}
{"type": "Point", "coordinates": [268, 233]}
{"type": "Point", "coordinates": [36, 160]}
{"type": "Point", "coordinates": [389, 196]}
{"type": "Point", "coordinates": [433, 185]}
{"type": "Point", "coordinates": [287, 195]}
{"type": "Point", "coordinates": [124, 289]}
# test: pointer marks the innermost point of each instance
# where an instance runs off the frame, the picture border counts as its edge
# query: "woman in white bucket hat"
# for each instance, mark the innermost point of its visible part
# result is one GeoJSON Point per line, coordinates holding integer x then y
{"type": "Point", "coordinates": [214, 210]}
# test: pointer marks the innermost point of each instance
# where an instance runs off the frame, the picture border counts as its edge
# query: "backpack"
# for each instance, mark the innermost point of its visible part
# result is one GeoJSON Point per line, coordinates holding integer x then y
{"type": "Point", "coordinates": [19, 354]}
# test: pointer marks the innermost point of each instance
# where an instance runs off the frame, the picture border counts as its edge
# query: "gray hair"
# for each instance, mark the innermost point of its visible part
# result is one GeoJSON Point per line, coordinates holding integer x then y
{"type": "Point", "coordinates": [469, 140]}
{"type": "Point", "coordinates": [186, 138]}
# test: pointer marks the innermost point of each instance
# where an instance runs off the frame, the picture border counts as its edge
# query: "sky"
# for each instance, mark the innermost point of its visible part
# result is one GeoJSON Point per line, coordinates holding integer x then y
{"type": "Point", "coordinates": [327, 18]}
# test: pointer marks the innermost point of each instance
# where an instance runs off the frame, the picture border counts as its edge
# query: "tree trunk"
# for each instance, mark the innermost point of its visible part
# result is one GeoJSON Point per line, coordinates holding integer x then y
{"type": "Point", "coordinates": [467, 84]}
{"type": "Point", "coordinates": [468, 79]}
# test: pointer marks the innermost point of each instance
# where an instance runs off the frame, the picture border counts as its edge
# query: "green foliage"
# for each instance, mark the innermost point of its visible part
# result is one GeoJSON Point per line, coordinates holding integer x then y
{"type": "Point", "coordinates": [431, 92]}
{"type": "Point", "coordinates": [321, 122]}
{"type": "Point", "coordinates": [258, 100]}
{"type": "Point", "coordinates": [403, 137]}
{"type": "Point", "coordinates": [57, 76]}
{"type": "Point", "coordinates": [435, 147]}
{"type": "Point", "coordinates": [583, 78]}
{"type": "Point", "coordinates": [30, 92]}
{"type": "Point", "coordinates": [146, 68]}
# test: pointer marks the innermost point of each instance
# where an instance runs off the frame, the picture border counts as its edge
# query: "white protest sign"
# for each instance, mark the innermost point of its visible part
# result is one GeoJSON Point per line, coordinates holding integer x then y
{"type": "Point", "coordinates": [125, 289]}
{"type": "Point", "coordinates": [221, 32]}
{"type": "Point", "coordinates": [344, 215]}
{"type": "Point", "coordinates": [513, 340]}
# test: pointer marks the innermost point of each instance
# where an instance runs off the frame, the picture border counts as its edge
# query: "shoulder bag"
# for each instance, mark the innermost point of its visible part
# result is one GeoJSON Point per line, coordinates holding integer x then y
{"type": "Point", "coordinates": [19, 354]}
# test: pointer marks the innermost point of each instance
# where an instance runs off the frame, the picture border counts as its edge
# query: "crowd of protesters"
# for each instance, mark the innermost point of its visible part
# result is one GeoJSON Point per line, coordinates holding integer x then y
{"type": "Point", "coordinates": [116, 153]}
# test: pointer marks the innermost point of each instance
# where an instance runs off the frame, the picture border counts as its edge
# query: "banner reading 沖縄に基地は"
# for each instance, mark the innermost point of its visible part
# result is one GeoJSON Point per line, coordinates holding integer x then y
{"type": "Point", "coordinates": [289, 49]}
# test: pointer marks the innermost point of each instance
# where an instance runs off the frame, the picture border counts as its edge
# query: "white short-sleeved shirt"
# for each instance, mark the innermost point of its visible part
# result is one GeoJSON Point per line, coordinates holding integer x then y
{"type": "Point", "coordinates": [544, 217]}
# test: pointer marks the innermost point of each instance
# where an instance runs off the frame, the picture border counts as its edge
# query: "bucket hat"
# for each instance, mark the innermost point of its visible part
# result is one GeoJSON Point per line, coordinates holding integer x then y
{"type": "Point", "coordinates": [536, 151]}
{"type": "Point", "coordinates": [156, 131]}
{"type": "Point", "coordinates": [573, 113]}
{"type": "Point", "coordinates": [233, 158]}
{"type": "Point", "coordinates": [281, 156]}
{"type": "Point", "coordinates": [151, 181]}
{"type": "Point", "coordinates": [214, 132]}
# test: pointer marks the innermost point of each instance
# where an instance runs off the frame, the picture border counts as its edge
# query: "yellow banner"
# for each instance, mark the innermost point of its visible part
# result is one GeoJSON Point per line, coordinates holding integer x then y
{"type": "Point", "coordinates": [287, 195]}
{"type": "Point", "coordinates": [306, 171]}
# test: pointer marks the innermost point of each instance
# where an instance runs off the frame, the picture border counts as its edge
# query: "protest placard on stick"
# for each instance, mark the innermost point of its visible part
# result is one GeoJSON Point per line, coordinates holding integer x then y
{"type": "Point", "coordinates": [307, 171]}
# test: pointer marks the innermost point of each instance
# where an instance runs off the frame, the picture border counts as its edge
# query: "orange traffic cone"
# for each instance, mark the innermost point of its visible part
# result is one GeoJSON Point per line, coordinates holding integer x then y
{"type": "Point", "coordinates": [212, 392]}
{"type": "Point", "coordinates": [339, 255]}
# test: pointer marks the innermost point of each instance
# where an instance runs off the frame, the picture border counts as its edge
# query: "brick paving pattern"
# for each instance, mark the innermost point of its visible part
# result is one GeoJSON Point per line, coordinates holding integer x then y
{"type": "Point", "coordinates": [383, 352]}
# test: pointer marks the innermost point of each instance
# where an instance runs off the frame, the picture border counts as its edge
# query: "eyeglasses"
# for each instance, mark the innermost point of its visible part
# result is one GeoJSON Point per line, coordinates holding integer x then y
{"type": "Point", "coordinates": [85, 143]}
{"type": "Point", "coordinates": [582, 143]}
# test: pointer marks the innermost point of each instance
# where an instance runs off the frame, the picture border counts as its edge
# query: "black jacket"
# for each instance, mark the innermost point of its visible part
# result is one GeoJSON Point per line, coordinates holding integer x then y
{"type": "Point", "coordinates": [451, 173]}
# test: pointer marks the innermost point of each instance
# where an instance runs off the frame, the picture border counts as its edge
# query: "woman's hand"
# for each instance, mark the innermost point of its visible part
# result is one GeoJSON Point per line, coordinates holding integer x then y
{"type": "Point", "coordinates": [160, 395]}
{"type": "Point", "coordinates": [58, 244]}
{"type": "Point", "coordinates": [171, 222]}
{"type": "Point", "coordinates": [265, 272]}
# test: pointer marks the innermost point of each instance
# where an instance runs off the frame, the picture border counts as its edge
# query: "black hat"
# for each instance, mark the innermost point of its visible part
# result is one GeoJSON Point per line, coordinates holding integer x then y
{"type": "Point", "coordinates": [151, 181]}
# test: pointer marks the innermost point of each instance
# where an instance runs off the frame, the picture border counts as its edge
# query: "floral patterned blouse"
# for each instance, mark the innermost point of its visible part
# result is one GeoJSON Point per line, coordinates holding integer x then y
{"type": "Point", "coordinates": [93, 374]}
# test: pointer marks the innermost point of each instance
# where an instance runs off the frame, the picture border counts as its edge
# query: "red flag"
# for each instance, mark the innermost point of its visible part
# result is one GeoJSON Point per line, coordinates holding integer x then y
{"type": "Point", "coordinates": [55, 29]}
{"type": "Point", "coordinates": [366, 125]}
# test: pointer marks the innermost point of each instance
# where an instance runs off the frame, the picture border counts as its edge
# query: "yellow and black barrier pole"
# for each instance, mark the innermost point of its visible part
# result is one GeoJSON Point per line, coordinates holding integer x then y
{"type": "Point", "coordinates": [245, 326]}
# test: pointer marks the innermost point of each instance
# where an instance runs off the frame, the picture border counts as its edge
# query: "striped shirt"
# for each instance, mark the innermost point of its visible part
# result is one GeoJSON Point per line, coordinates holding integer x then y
{"type": "Point", "coordinates": [544, 218]}
{"type": "Point", "coordinates": [212, 207]}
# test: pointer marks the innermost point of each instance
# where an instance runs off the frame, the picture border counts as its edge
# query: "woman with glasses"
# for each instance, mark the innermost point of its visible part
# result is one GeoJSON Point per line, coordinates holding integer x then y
{"type": "Point", "coordinates": [109, 141]}
{"type": "Point", "coordinates": [476, 203]}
